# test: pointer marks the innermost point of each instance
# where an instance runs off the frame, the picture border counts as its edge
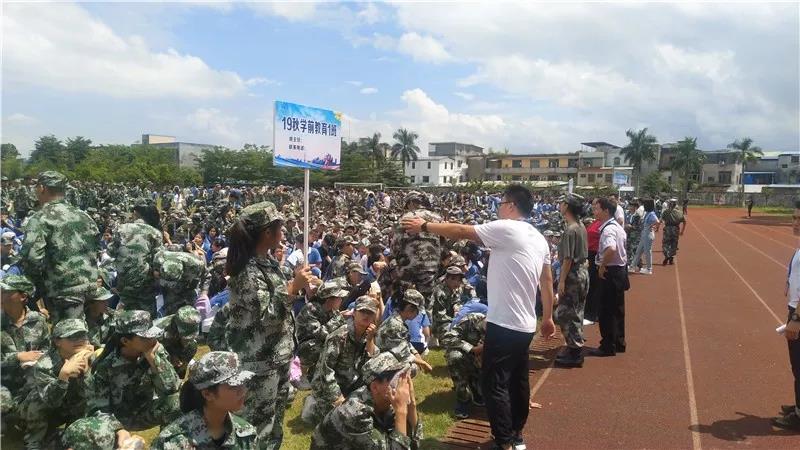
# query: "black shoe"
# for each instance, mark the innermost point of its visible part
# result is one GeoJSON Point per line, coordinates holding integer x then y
{"type": "Point", "coordinates": [571, 358]}
{"type": "Point", "coordinates": [664, 263]}
{"type": "Point", "coordinates": [518, 443]}
{"type": "Point", "coordinates": [620, 349]}
{"type": "Point", "coordinates": [787, 409]}
{"type": "Point", "coordinates": [462, 410]}
{"type": "Point", "coordinates": [788, 422]}
{"type": "Point", "coordinates": [671, 260]}
{"type": "Point", "coordinates": [599, 352]}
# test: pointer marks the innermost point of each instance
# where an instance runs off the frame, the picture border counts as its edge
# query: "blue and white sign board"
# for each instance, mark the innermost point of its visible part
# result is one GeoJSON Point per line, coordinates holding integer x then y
{"type": "Point", "coordinates": [306, 137]}
{"type": "Point", "coordinates": [620, 179]}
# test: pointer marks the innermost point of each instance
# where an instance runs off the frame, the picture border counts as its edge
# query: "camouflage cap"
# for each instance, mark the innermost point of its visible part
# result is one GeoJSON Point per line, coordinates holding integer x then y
{"type": "Point", "coordinates": [260, 214]}
{"type": "Point", "coordinates": [331, 289]}
{"type": "Point", "coordinates": [366, 303]}
{"type": "Point", "coordinates": [8, 238]}
{"type": "Point", "coordinates": [19, 283]}
{"type": "Point", "coordinates": [454, 270]}
{"type": "Point", "coordinates": [101, 295]}
{"type": "Point", "coordinates": [414, 297]}
{"type": "Point", "coordinates": [547, 233]}
{"type": "Point", "coordinates": [171, 269]}
{"type": "Point", "coordinates": [382, 363]}
{"type": "Point", "coordinates": [355, 267]}
{"type": "Point", "coordinates": [136, 322]}
{"type": "Point", "coordinates": [458, 260]}
{"type": "Point", "coordinates": [52, 179]}
{"type": "Point", "coordinates": [187, 320]}
{"type": "Point", "coordinates": [90, 433]}
{"type": "Point", "coordinates": [344, 240]}
{"type": "Point", "coordinates": [215, 368]}
{"type": "Point", "coordinates": [69, 327]}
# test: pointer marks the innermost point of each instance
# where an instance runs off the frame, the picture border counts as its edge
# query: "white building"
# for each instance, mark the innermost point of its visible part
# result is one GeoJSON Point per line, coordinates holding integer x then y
{"type": "Point", "coordinates": [436, 171]}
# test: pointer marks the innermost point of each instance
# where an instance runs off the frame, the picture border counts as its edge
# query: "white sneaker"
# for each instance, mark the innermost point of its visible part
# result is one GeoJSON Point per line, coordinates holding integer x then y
{"type": "Point", "coordinates": [646, 271]}
{"type": "Point", "coordinates": [587, 322]}
{"type": "Point", "coordinates": [631, 270]}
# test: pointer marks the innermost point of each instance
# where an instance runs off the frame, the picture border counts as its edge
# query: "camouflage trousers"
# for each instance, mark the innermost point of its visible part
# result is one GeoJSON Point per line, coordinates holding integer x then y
{"type": "Point", "coordinates": [61, 308]}
{"type": "Point", "coordinates": [266, 403]}
{"type": "Point", "coordinates": [669, 244]}
{"type": "Point", "coordinates": [630, 246]}
{"type": "Point", "coordinates": [464, 371]}
{"type": "Point", "coordinates": [569, 312]}
{"type": "Point", "coordinates": [157, 412]}
{"type": "Point", "coordinates": [43, 421]}
{"type": "Point", "coordinates": [439, 328]}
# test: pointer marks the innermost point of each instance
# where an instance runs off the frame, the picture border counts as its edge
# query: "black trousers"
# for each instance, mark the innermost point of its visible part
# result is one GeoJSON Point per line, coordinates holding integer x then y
{"type": "Point", "coordinates": [612, 310]}
{"type": "Point", "coordinates": [590, 311]}
{"type": "Point", "coordinates": [504, 378]}
{"type": "Point", "coordinates": [794, 359]}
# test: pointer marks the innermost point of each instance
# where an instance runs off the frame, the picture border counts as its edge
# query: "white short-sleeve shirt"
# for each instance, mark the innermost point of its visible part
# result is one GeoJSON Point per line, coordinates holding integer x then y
{"type": "Point", "coordinates": [519, 252]}
{"type": "Point", "coordinates": [794, 280]}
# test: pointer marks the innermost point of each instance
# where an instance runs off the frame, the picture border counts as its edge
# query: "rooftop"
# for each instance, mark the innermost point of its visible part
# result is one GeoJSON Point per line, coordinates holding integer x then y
{"type": "Point", "coordinates": [598, 144]}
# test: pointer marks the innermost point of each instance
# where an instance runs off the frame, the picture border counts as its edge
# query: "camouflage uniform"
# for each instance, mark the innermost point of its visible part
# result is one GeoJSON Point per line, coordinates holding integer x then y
{"type": "Point", "coordinates": [393, 335]}
{"type": "Point", "coordinates": [217, 338]}
{"type": "Point", "coordinates": [339, 367]}
{"type": "Point", "coordinates": [463, 366]}
{"type": "Point", "coordinates": [339, 266]}
{"type": "Point", "coordinates": [131, 391]}
{"type": "Point", "coordinates": [180, 276]}
{"type": "Point", "coordinates": [98, 432]}
{"type": "Point", "coordinates": [354, 425]}
{"type": "Point", "coordinates": [418, 254]}
{"type": "Point", "coordinates": [180, 337]}
{"type": "Point", "coordinates": [51, 401]}
{"type": "Point", "coordinates": [190, 430]}
{"type": "Point", "coordinates": [134, 249]}
{"type": "Point", "coordinates": [443, 303]}
{"type": "Point", "coordinates": [100, 327]}
{"type": "Point", "coordinates": [59, 254]}
{"type": "Point", "coordinates": [314, 324]}
{"type": "Point", "coordinates": [569, 312]}
{"type": "Point", "coordinates": [672, 218]}
{"type": "Point", "coordinates": [24, 201]}
{"type": "Point", "coordinates": [32, 334]}
{"type": "Point", "coordinates": [260, 330]}
{"type": "Point", "coordinates": [634, 235]}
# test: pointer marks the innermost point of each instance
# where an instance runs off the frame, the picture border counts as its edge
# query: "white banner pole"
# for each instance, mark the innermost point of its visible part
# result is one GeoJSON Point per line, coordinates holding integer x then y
{"type": "Point", "coordinates": [307, 176]}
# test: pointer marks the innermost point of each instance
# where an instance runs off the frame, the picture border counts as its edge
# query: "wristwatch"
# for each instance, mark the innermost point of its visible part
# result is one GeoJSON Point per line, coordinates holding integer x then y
{"type": "Point", "coordinates": [794, 317]}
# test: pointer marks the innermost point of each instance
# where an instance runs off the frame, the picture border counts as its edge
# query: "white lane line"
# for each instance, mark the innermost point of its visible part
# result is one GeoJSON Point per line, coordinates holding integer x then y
{"type": "Point", "coordinates": [759, 234]}
{"type": "Point", "coordinates": [687, 360]}
{"type": "Point", "coordinates": [751, 246]}
{"type": "Point", "coordinates": [541, 380]}
{"type": "Point", "coordinates": [755, 294]}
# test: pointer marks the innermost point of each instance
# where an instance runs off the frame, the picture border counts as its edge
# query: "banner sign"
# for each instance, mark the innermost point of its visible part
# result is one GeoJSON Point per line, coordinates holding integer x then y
{"type": "Point", "coordinates": [620, 179]}
{"type": "Point", "coordinates": [306, 137]}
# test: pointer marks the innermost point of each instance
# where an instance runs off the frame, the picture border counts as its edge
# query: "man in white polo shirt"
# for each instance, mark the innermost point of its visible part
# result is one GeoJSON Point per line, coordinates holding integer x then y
{"type": "Point", "coordinates": [790, 414]}
{"type": "Point", "coordinates": [519, 266]}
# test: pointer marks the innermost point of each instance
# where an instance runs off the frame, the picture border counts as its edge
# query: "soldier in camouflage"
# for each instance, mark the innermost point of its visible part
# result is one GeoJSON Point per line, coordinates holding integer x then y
{"type": "Point", "coordinates": [216, 338]}
{"type": "Point", "coordinates": [317, 319]}
{"type": "Point", "coordinates": [260, 326]}
{"type": "Point", "coordinates": [58, 385]}
{"type": "Point", "coordinates": [133, 379]}
{"type": "Point", "coordinates": [59, 250]}
{"type": "Point", "coordinates": [24, 201]}
{"type": "Point", "coordinates": [180, 337]}
{"type": "Point", "coordinates": [134, 249]}
{"type": "Point", "coordinates": [573, 282]}
{"type": "Point", "coordinates": [24, 338]}
{"type": "Point", "coordinates": [418, 254]}
{"type": "Point", "coordinates": [633, 228]}
{"type": "Point", "coordinates": [448, 296]}
{"type": "Point", "coordinates": [99, 432]}
{"type": "Point", "coordinates": [382, 415]}
{"type": "Point", "coordinates": [180, 275]}
{"type": "Point", "coordinates": [344, 353]}
{"type": "Point", "coordinates": [215, 390]}
{"type": "Point", "coordinates": [463, 349]}
{"type": "Point", "coordinates": [346, 246]}
{"type": "Point", "coordinates": [99, 317]}
{"type": "Point", "coordinates": [674, 226]}
{"type": "Point", "coordinates": [393, 335]}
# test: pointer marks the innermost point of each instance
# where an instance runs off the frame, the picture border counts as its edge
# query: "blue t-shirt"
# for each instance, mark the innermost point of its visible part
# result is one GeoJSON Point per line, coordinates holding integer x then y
{"type": "Point", "coordinates": [414, 325]}
{"type": "Point", "coordinates": [649, 220]}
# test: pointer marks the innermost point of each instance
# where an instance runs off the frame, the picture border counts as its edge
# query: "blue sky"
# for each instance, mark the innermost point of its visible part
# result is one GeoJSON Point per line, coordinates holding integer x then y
{"type": "Point", "coordinates": [523, 76]}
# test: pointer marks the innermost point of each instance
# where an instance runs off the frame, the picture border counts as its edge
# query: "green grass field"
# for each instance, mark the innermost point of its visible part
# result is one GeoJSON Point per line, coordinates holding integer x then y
{"type": "Point", "coordinates": [435, 400]}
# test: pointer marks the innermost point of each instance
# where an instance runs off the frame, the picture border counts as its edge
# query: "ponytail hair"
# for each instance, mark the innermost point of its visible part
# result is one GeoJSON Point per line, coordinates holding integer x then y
{"type": "Point", "coordinates": [191, 398]}
{"type": "Point", "coordinates": [243, 237]}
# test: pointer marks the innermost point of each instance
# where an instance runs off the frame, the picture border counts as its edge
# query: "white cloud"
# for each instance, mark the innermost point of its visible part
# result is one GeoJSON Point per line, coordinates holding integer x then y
{"type": "Point", "coordinates": [465, 96]}
{"type": "Point", "coordinates": [290, 10]}
{"type": "Point", "coordinates": [21, 119]}
{"type": "Point", "coordinates": [420, 48]}
{"type": "Point", "coordinates": [717, 66]}
{"type": "Point", "coordinates": [259, 81]}
{"type": "Point", "coordinates": [62, 47]}
{"type": "Point", "coordinates": [215, 123]}
{"type": "Point", "coordinates": [355, 83]}
{"type": "Point", "coordinates": [370, 14]}
{"type": "Point", "coordinates": [369, 90]}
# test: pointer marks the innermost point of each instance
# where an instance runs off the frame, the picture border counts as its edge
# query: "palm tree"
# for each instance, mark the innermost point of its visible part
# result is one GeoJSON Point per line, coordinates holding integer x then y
{"type": "Point", "coordinates": [405, 147]}
{"type": "Point", "coordinates": [373, 148]}
{"type": "Point", "coordinates": [641, 148]}
{"type": "Point", "coordinates": [747, 153]}
{"type": "Point", "coordinates": [688, 160]}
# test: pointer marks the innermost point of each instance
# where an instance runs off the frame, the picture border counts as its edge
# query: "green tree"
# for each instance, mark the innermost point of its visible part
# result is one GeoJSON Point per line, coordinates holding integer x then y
{"type": "Point", "coordinates": [77, 148]}
{"type": "Point", "coordinates": [654, 184]}
{"type": "Point", "coordinates": [641, 149]}
{"type": "Point", "coordinates": [9, 152]}
{"type": "Point", "coordinates": [746, 153]}
{"type": "Point", "coordinates": [373, 148]}
{"type": "Point", "coordinates": [49, 153]}
{"type": "Point", "coordinates": [12, 166]}
{"type": "Point", "coordinates": [405, 147]}
{"type": "Point", "coordinates": [688, 160]}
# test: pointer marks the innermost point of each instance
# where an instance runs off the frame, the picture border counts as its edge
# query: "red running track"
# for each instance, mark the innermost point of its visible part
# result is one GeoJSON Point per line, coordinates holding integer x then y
{"type": "Point", "coordinates": [704, 367]}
